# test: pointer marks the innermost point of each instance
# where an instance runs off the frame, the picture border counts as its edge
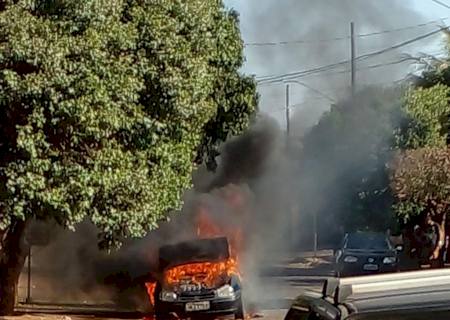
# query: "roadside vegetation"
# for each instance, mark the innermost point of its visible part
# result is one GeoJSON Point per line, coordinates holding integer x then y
{"type": "Point", "coordinates": [106, 107]}
{"type": "Point", "coordinates": [380, 160]}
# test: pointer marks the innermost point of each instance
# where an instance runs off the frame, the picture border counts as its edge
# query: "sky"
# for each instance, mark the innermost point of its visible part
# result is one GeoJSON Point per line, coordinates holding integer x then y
{"type": "Point", "coordinates": [288, 20]}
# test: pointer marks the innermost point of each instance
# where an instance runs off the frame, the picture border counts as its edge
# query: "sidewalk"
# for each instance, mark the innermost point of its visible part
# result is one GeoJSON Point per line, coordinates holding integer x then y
{"type": "Point", "coordinates": [301, 264]}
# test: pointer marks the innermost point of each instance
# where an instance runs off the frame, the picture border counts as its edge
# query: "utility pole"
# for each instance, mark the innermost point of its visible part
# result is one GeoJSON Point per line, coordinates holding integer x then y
{"type": "Point", "coordinates": [352, 58]}
{"type": "Point", "coordinates": [315, 234]}
{"type": "Point", "coordinates": [287, 110]}
{"type": "Point", "coordinates": [290, 206]}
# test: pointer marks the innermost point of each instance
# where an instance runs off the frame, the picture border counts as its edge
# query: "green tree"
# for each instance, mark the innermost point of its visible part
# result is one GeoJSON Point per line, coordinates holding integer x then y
{"type": "Point", "coordinates": [104, 108]}
{"type": "Point", "coordinates": [419, 170]}
{"type": "Point", "coordinates": [426, 121]}
{"type": "Point", "coordinates": [344, 176]}
{"type": "Point", "coordinates": [420, 180]}
{"type": "Point", "coordinates": [423, 137]}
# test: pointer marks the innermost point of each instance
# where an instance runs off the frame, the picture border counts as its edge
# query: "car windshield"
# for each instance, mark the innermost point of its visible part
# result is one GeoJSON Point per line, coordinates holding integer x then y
{"type": "Point", "coordinates": [364, 241]}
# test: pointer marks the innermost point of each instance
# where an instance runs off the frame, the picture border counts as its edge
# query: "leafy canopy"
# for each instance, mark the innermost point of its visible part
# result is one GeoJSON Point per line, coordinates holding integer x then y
{"type": "Point", "coordinates": [344, 157]}
{"type": "Point", "coordinates": [105, 105]}
{"type": "Point", "coordinates": [420, 171]}
{"type": "Point", "coordinates": [420, 180]}
{"type": "Point", "coordinates": [427, 111]}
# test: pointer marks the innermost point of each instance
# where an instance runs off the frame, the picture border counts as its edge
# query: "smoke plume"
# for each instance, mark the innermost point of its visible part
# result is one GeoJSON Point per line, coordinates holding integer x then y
{"type": "Point", "coordinates": [259, 166]}
{"type": "Point", "coordinates": [321, 29]}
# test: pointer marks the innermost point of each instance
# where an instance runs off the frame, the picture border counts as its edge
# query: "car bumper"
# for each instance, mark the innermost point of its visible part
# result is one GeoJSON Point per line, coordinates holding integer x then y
{"type": "Point", "coordinates": [217, 307]}
{"type": "Point", "coordinates": [347, 270]}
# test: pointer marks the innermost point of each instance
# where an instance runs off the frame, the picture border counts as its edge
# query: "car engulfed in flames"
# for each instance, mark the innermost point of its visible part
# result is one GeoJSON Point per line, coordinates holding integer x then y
{"type": "Point", "coordinates": [199, 277]}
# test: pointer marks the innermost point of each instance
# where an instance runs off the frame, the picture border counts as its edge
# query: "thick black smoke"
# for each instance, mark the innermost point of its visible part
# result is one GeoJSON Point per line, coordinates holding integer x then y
{"type": "Point", "coordinates": [70, 268]}
{"type": "Point", "coordinates": [260, 164]}
{"type": "Point", "coordinates": [323, 26]}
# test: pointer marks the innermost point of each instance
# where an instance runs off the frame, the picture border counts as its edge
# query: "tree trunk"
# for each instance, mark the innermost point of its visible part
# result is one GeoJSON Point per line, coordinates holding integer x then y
{"type": "Point", "coordinates": [443, 238]}
{"type": "Point", "coordinates": [12, 259]}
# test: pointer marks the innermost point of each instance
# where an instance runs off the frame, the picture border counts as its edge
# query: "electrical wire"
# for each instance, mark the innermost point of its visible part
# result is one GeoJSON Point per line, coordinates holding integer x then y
{"type": "Point", "coordinates": [299, 74]}
{"type": "Point", "coordinates": [363, 35]}
{"type": "Point", "coordinates": [374, 66]}
{"type": "Point", "coordinates": [315, 98]}
{"type": "Point", "coordinates": [293, 106]}
{"type": "Point", "coordinates": [441, 4]}
{"type": "Point", "coordinates": [363, 57]}
{"type": "Point", "coordinates": [320, 93]}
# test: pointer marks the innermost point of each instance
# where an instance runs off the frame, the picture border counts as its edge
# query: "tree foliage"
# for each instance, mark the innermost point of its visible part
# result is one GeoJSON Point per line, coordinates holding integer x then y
{"type": "Point", "coordinates": [105, 105]}
{"type": "Point", "coordinates": [419, 173]}
{"type": "Point", "coordinates": [427, 111]}
{"type": "Point", "coordinates": [344, 157]}
{"type": "Point", "coordinates": [421, 180]}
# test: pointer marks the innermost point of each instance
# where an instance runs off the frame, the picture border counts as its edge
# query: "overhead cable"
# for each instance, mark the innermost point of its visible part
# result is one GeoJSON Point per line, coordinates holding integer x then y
{"type": "Point", "coordinates": [373, 66]}
{"type": "Point", "coordinates": [363, 35]}
{"type": "Point", "coordinates": [441, 3]}
{"type": "Point", "coordinates": [299, 74]}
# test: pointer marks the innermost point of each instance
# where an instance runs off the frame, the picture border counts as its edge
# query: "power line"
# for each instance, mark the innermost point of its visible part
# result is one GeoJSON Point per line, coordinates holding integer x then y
{"type": "Point", "coordinates": [315, 98]}
{"type": "Point", "coordinates": [333, 89]}
{"type": "Point", "coordinates": [363, 57]}
{"type": "Point", "coordinates": [370, 66]}
{"type": "Point", "coordinates": [299, 74]}
{"type": "Point", "coordinates": [301, 103]}
{"type": "Point", "coordinates": [363, 35]}
{"type": "Point", "coordinates": [320, 93]}
{"type": "Point", "coordinates": [374, 66]}
{"type": "Point", "coordinates": [441, 3]}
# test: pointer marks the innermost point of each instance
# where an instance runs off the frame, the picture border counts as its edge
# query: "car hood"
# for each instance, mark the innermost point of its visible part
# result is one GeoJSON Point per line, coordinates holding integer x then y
{"type": "Point", "coordinates": [193, 251]}
{"type": "Point", "coordinates": [366, 252]}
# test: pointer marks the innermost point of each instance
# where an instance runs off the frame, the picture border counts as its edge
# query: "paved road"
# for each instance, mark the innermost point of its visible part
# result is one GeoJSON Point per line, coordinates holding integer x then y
{"type": "Point", "coordinates": [273, 300]}
{"type": "Point", "coordinates": [264, 315]}
{"type": "Point", "coordinates": [272, 293]}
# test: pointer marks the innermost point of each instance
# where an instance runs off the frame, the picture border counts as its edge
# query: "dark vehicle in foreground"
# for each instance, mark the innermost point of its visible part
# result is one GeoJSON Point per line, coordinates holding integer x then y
{"type": "Point", "coordinates": [419, 295]}
{"type": "Point", "coordinates": [198, 278]}
{"type": "Point", "coordinates": [364, 253]}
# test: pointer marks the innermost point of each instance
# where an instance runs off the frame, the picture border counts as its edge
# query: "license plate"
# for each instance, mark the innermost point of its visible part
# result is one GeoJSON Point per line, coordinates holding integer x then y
{"type": "Point", "coordinates": [370, 267]}
{"type": "Point", "coordinates": [197, 306]}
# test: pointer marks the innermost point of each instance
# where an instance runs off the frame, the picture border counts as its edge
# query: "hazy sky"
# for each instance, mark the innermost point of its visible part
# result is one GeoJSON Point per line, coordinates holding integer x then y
{"type": "Point", "coordinates": [280, 20]}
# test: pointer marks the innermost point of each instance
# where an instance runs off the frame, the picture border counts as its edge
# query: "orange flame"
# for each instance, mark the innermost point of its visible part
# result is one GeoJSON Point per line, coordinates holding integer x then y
{"type": "Point", "coordinates": [209, 273]}
{"type": "Point", "coordinates": [151, 287]}
{"type": "Point", "coordinates": [206, 273]}
{"type": "Point", "coordinates": [207, 228]}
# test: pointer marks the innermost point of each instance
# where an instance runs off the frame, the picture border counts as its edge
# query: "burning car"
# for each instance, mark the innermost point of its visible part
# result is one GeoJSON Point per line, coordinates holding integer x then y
{"type": "Point", "coordinates": [199, 277]}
